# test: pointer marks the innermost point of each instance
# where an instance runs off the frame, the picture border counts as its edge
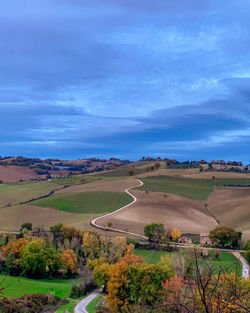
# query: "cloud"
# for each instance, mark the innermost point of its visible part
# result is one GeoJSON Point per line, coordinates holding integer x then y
{"type": "Point", "coordinates": [108, 76]}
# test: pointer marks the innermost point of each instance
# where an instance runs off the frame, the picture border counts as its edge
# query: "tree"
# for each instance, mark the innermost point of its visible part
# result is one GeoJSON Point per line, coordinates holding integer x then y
{"type": "Point", "coordinates": [14, 248]}
{"type": "Point", "coordinates": [145, 282]}
{"type": "Point", "coordinates": [157, 165]}
{"type": "Point", "coordinates": [109, 224]}
{"type": "Point", "coordinates": [206, 292]}
{"type": "Point", "coordinates": [53, 260]}
{"type": "Point", "coordinates": [28, 226]}
{"type": "Point", "coordinates": [33, 260]}
{"type": "Point", "coordinates": [225, 236]}
{"type": "Point", "coordinates": [100, 269]}
{"type": "Point", "coordinates": [131, 172]}
{"type": "Point", "coordinates": [154, 232]}
{"type": "Point", "coordinates": [91, 245]}
{"type": "Point", "coordinates": [175, 234]}
{"type": "Point", "coordinates": [70, 262]}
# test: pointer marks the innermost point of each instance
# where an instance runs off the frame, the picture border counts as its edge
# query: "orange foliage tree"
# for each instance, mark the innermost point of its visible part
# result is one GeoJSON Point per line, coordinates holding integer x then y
{"type": "Point", "coordinates": [70, 261]}
{"type": "Point", "coordinates": [14, 248]}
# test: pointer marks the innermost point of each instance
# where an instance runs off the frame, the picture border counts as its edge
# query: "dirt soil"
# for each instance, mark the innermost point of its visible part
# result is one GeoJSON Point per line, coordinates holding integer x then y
{"type": "Point", "coordinates": [173, 211]}
{"type": "Point", "coordinates": [9, 174]}
{"type": "Point", "coordinates": [232, 207]}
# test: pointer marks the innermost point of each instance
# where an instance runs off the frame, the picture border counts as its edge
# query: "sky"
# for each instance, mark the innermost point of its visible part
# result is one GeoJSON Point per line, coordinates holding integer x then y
{"type": "Point", "coordinates": [125, 78]}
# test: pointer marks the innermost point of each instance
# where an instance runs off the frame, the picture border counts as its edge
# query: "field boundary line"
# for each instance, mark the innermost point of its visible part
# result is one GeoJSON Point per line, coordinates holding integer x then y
{"type": "Point", "coordinates": [94, 224]}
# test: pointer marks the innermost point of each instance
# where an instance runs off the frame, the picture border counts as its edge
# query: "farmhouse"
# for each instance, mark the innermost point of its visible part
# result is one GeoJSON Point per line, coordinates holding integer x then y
{"type": "Point", "coordinates": [184, 239]}
{"type": "Point", "coordinates": [204, 239]}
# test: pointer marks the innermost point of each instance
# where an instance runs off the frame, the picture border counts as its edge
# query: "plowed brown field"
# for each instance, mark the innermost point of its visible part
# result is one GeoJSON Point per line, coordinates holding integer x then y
{"type": "Point", "coordinates": [173, 211]}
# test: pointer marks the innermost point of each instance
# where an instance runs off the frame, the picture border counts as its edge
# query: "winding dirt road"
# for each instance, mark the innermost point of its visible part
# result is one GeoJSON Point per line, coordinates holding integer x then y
{"type": "Point", "coordinates": [245, 267]}
{"type": "Point", "coordinates": [94, 221]}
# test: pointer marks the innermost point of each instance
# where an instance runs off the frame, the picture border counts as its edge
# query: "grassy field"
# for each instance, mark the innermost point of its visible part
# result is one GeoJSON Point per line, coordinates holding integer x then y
{"type": "Point", "coordinates": [226, 260]}
{"type": "Point", "coordinates": [15, 193]}
{"type": "Point", "coordinates": [152, 256]}
{"type": "Point", "coordinates": [198, 189]}
{"type": "Point", "coordinates": [85, 202]}
{"type": "Point", "coordinates": [91, 307]}
{"type": "Point", "coordinates": [232, 181]}
{"type": "Point", "coordinates": [19, 286]}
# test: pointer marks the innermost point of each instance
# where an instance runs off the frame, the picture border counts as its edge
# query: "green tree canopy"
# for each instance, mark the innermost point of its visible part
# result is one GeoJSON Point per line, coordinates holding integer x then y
{"type": "Point", "coordinates": [154, 231]}
{"type": "Point", "coordinates": [225, 236]}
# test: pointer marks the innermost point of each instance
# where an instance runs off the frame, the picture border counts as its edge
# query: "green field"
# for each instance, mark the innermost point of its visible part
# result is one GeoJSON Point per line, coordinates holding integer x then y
{"type": "Point", "coordinates": [75, 180]}
{"type": "Point", "coordinates": [227, 260]}
{"type": "Point", "coordinates": [14, 193]}
{"type": "Point", "coordinates": [198, 189]}
{"type": "Point", "coordinates": [85, 202]}
{"type": "Point", "coordinates": [232, 181]}
{"type": "Point", "coordinates": [92, 305]}
{"type": "Point", "coordinates": [152, 256]}
{"type": "Point", "coordinates": [19, 286]}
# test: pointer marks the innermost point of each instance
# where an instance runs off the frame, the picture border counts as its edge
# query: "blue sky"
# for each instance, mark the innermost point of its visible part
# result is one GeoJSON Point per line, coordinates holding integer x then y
{"type": "Point", "coordinates": [125, 78]}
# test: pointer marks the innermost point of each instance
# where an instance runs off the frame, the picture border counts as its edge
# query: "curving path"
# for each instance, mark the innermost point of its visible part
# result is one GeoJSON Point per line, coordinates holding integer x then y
{"type": "Point", "coordinates": [245, 267]}
{"type": "Point", "coordinates": [93, 222]}
{"type": "Point", "coordinates": [82, 305]}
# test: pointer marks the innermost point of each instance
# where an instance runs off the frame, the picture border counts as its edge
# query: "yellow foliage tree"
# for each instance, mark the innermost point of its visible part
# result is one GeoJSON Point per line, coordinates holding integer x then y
{"type": "Point", "coordinates": [175, 234]}
{"type": "Point", "coordinates": [117, 297]}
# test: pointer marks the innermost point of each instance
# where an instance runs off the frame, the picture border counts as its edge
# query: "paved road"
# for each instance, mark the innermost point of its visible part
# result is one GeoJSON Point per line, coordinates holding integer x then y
{"type": "Point", "coordinates": [245, 267]}
{"type": "Point", "coordinates": [93, 222]}
{"type": "Point", "coordinates": [81, 306]}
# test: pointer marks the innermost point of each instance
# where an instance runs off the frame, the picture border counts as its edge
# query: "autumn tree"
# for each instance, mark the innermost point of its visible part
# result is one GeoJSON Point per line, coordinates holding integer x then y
{"type": "Point", "coordinates": [100, 268]}
{"type": "Point", "coordinates": [175, 234]}
{"type": "Point", "coordinates": [206, 292]}
{"type": "Point", "coordinates": [118, 297]}
{"type": "Point", "coordinates": [225, 236]}
{"type": "Point", "coordinates": [14, 248]}
{"type": "Point", "coordinates": [91, 245]}
{"type": "Point", "coordinates": [69, 261]}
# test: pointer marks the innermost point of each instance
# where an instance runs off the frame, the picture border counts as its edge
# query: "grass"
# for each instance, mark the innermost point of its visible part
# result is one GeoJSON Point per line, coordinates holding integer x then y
{"type": "Point", "coordinates": [19, 286]}
{"type": "Point", "coordinates": [232, 181]}
{"type": "Point", "coordinates": [123, 172]}
{"type": "Point", "coordinates": [91, 307]}
{"type": "Point", "coordinates": [75, 180]}
{"type": "Point", "coordinates": [69, 307]}
{"type": "Point", "coordinates": [198, 189]}
{"type": "Point", "coordinates": [152, 256]}
{"type": "Point", "coordinates": [227, 260]}
{"type": "Point", "coordinates": [15, 193]}
{"type": "Point", "coordinates": [85, 202]}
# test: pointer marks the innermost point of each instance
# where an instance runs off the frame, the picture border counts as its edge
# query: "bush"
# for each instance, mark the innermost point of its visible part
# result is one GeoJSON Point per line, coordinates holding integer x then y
{"type": "Point", "coordinates": [28, 303]}
{"type": "Point", "coordinates": [86, 285]}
